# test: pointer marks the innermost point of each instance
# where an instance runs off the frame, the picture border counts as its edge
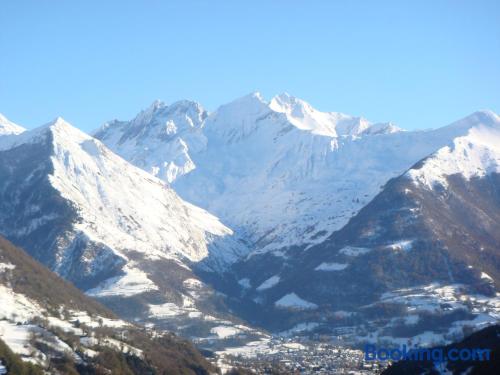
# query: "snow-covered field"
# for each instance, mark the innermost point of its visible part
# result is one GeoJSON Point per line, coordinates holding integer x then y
{"type": "Point", "coordinates": [293, 301]}
{"type": "Point", "coordinates": [331, 267]}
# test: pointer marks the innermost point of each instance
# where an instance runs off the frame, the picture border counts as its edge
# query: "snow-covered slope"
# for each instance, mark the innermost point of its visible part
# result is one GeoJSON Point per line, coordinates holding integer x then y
{"type": "Point", "coordinates": [333, 124]}
{"type": "Point", "coordinates": [280, 173]}
{"type": "Point", "coordinates": [475, 154]}
{"type": "Point", "coordinates": [293, 176]}
{"type": "Point", "coordinates": [120, 205]}
{"type": "Point", "coordinates": [160, 139]}
{"type": "Point", "coordinates": [421, 256]}
{"type": "Point", "coordinates": [8, 127]}
{"type": "Point", "coordinates": [113, 229]}
{"type": "Point", "coordinates": [50, 323]}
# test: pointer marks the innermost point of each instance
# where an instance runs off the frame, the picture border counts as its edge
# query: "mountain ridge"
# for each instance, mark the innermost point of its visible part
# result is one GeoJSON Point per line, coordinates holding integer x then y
{"type": "Point", "coordinates": [120, 234]}
{"type": "Point", "coordinates": [301, 192]}
{"type": "Point", "coordinates": [412, 249]}
{"type": "Point", "coordinates": [7, 127]}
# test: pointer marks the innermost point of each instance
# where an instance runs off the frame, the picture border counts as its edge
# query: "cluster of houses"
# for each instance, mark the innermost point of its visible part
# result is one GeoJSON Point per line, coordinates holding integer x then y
{"type": "Point", "coordinates": [313, 358]}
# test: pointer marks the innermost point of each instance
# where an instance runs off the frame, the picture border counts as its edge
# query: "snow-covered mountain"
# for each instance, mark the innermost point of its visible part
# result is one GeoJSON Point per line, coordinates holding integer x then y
{"type": "Point", "coordinates": [474, 155]}
{"type": "Point", "coordinates": [331, 220]}
{"type": "Point", "coordinates": [332, 124]}
{"type": "Point", "coordinates": [160, 139]}
{"type": "Point", "coordinates": [8, 127]}
{"type": "Point", "coordinates": [421, 256]}
{"type": "Point", "coordinates": [119, 205]}
{"type": "Point", "coordinates": [282, 173]}
{"type": "Point", "coordinates": [294, 181]}
{"type": "Point", "coordinates": [117, 232]}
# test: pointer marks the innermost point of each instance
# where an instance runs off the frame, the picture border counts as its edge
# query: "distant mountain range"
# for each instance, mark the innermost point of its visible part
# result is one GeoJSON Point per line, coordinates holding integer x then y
{"type": "Point", "coordinates": [299, 222]}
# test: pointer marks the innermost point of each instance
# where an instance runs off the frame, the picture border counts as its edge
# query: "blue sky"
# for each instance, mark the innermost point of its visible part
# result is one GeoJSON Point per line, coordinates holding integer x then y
{"type": "Point", "coordinates": [420, 64]}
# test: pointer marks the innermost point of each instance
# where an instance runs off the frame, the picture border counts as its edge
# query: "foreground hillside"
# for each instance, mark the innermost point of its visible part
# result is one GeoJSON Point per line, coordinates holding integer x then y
{"type": "Point", "coordinates": [51, 325]}
{"type": "Point", "coordinates": [488, 338]}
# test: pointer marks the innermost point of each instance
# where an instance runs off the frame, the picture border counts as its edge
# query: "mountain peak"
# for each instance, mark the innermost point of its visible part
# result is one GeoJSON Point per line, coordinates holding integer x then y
{"type": "Point", "coordinates": [159, 138]}
{"type": "Point", "coordinates": [147, 114]}
{"type": "Point", "coordinates": [286, 100]}
{"type": "Point", "coordinates": [252, 98]}
{"type": "Point", "coordinates": [59, 122]}
{"type": "Point", "coordinates": [239, 118]}
{"type": "Point", "coordinates": [483, 117]}
{"type": "Point", "coordinates": [473, 154]}
{"type": "Point", "coordinates": [487, 117]}
{"type": "Point", "coordinates": [62, 130]}
{"type": "Point", "coordinates": [157, 104]}
{"type": "Point", "coordinates": [159, 111]}
{"type": "Point", "coordinates": [302, 115]}
{"type": "Point", "coordinates": [488, 113]}
{"type": "Point", "coordinates": [7, 127]}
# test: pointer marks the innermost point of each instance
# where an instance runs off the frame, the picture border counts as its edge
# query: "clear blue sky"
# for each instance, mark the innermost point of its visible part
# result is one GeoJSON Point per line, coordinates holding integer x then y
{"type": "Point", "coordinates": [418, 63]}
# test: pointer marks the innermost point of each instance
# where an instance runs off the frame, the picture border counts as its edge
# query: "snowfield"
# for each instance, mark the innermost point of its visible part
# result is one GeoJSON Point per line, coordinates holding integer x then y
{"type": "Point", "coordinates": [293, 301]}
{"type": "Point", "coordinates": [269, 283]}
{"type": "Point", "coordinates": [331, 267]}
{"type": "Point", "coordinates": [354, 251]}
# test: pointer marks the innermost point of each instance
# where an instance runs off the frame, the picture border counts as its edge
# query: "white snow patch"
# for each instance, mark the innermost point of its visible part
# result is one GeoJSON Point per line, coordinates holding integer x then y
{"type": "Point", "coordinates": [331, 267]}
{"type": "Point", "coordinates": [223, 332]}
{"type": "Point", "coordinates": [485, 276]}
{"type": "Point", "coordinates": [404, 245]}
{"type": "Point", "coordinates": [64, 325]}
{"type": "Point", "coordinates": [17, 337]}
{"type": "Point", "coordinates": [165, 310]}
{"type": "Point", "coordinates": [354, 251]}
{"type": "Point", "coordinates": [293, 301]}
{"type": "Point", "coordinates": [133, 282]}
{"type": "Point", "coordinates": [16, 307]}
{"type": "Point", "coordinates": [96, 321]}
{"type": "Point", "coordinates": [269, 283]}
{"type": "Point", "coordinates": [6, 266]}
{"type": "Point", "coordinates": [245, 283]}
{"type": "Point", "coordinates": [300, 328]}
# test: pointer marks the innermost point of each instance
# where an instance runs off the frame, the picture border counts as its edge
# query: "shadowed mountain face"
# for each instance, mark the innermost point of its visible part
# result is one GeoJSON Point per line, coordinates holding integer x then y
{"type": "Point", "coordinates": [115, 231]}
{"type": "Point", "coordinates": [28, 197]}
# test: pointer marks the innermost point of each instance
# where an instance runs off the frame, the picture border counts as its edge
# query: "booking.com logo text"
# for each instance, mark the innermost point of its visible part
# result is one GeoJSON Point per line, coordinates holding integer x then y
{"type": "Point", "coordinates": [372, 353]}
